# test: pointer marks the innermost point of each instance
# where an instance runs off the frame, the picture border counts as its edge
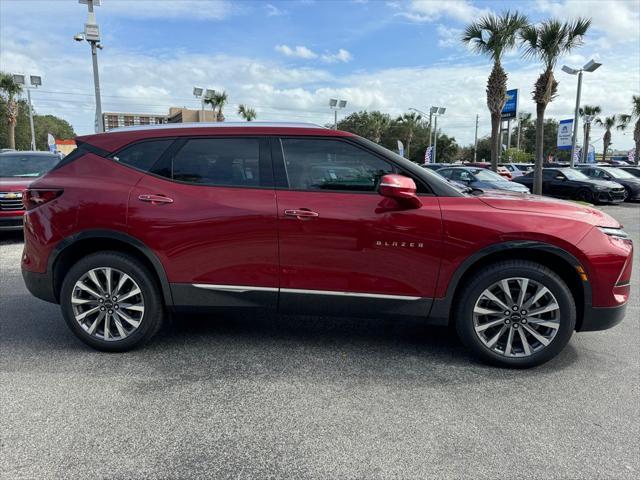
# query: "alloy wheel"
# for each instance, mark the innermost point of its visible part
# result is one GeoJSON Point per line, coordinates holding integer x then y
{"type": "Point", "coordinates": [516, 317]}
{"type": "Point", "coordinates": [107, 303]}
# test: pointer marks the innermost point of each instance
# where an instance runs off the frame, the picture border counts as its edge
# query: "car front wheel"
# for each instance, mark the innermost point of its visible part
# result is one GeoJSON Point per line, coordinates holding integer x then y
{"type": "Point", "coordinates": [516, 314]}
{"type": "Point", "coordinates": [111, 301]}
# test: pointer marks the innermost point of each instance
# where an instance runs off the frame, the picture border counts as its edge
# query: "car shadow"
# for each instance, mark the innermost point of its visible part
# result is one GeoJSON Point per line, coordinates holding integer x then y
{"type": "Point", "coordinates": [195, 348]}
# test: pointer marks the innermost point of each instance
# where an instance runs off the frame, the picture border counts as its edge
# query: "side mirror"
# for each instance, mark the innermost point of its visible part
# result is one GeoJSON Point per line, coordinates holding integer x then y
{"type": "Point", "coordinates": [400, 188]}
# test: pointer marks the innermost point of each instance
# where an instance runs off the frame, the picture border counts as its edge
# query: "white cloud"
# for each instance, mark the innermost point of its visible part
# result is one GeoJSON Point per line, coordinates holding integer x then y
{"type": "Point", "coordinates": [617, 20]}
{"type": "Point", "coordinates": [301, 51]}
{"type": "Point", "coordinates": [298, 51]}
{"type": "Point", "coordinates": [432, 10]}
{"type": "Point", "coordinates": [341, 55]}
{"type": "Point", "coordinates": [273, 11]}
{"type": "Point", "coordinates": [449, 37]}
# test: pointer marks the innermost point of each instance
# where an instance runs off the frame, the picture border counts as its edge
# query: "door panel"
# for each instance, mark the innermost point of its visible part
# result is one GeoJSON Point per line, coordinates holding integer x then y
{"type": "Point", "coordinates": [210, 237]}
{"type": "Point", "coordinates": [358, 243]}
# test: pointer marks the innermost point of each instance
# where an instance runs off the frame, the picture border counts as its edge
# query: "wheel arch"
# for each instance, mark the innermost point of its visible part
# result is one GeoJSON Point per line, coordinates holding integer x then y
{"type": "Point", "coordinates": [71, 249]}
{"type": "Point", "coordinates": [553, 257]}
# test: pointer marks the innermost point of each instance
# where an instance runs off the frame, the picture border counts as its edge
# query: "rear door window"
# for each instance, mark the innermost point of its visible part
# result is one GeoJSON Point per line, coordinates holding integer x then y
{"type": "Point", "coordinates": [232, 162]}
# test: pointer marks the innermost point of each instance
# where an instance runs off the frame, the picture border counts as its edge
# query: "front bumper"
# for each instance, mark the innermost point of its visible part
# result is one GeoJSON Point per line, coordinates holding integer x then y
{"type": "Point", "coordinates": [11, 223]}
{"type": "Point", "coordinates": [602, 318]}
{"type": "Point", "coordinates": [611, 196]}
{"type": "Point", "coordinates": [40, 285]}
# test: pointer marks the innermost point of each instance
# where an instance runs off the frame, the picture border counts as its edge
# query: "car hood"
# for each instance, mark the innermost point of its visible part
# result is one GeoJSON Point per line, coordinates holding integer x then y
{"type": "Point", "coordinates": [13, 184]}
{"type": "Point", "coordinates": [548, 206]}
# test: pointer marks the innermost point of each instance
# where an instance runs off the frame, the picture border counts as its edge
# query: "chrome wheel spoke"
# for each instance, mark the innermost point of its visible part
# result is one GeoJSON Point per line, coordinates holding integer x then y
{"type": "Point", "coordinates": [135, 291]}
{"type": "Point", "coordinates": [495, 299]}
{"type": "Point", "coordinates": [98, 306]}
{"type": "Point", "coordinates": [128, 319]}
{"type": "Point", "coordinates": [525, 343]}
{"type": "Point", "coordinates": [486, 311]}
{"type": "Point", "coordinates": [484, 326]}
{"type": "Point", "coordinates": [544, 323]}
{"type": "Point", "coordinates": [537, 336]}
{"type": "Point", "coordinates": [504, 285]}
{"type": "Point", "coordinates": [523, 284]}
{"type": "Point", "coordinates": [549, 308]}
{"type": "Point", "coordinates": [496, 337]}
{"type": "Point", "coordinates": [509, 344]}
{"type": "Point", "coordinates": [537, 296]}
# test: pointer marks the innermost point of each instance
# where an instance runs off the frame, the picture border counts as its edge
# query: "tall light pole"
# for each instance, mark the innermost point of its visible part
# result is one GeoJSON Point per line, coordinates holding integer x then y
{"type": "Point", "coordinates": [475, 142]}
{"type": "Point", "coordinates": [34, 82]}
{"type": "Point", "coordinates": [590, 66]}
{"type": "Point", "coordinates": [436, 112]}
{"type": "Point", "coordinates": [92, 35]}
{"type": "Point", "coordinates": [336, 105]}
{"type": "Point", "coordinates": [203, 95]}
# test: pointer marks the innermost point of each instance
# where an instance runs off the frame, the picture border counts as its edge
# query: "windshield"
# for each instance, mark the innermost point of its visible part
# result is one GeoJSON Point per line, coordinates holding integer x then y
{"type": "Point", "coordinates": [574, 174]}
{"type": "Point", "coordinates": [26, 165]}
{"type": "Point", "coordinates": [488, 176]}
{"type": "Point", "coordinates": [618, 173]}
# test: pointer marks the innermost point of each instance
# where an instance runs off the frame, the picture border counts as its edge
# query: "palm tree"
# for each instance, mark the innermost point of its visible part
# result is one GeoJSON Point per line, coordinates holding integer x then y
{"type": "Point", "coordinates": [212, 100]}
{"type": "Point", "coordinates": [547, 42]}
{"type": "Point", "coordinates": [409, 123]}
{"type": "Point", "coordinates": [248, 114]}
{"type": "Point", "coordinates": [221, 100]}
{"type": "Point", "coordinates": [9, 90]}
{"type": "Point", "coordinates": [378, 123]}
{"type": "Point", "coordinates": [494, 35]}
{"type": "Point", "coordinates": [608, 123]}
{"type": "Point", "coordinates": [524, 121]}
{"type": "Point", "coordinates": [625, 121]}
{"type": "Point", "coordinates": [588, 112]}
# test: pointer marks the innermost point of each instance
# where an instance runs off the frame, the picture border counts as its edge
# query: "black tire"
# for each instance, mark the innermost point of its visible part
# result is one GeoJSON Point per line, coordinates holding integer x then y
{"type": "Point", "coordinates": [585, 195]}
{"type": "Point", "coordinates": [154, 311]}
{"type": "Point", "coordinates": [474, 288]}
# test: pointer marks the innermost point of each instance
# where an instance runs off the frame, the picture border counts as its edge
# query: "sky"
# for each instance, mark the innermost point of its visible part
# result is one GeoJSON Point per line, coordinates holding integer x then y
{"type": "Point", "coordinates": [287, 58]}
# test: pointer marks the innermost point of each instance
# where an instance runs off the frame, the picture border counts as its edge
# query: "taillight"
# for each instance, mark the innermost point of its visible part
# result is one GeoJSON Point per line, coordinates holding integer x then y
{"type": "Point", "coordinates": [33, 198]}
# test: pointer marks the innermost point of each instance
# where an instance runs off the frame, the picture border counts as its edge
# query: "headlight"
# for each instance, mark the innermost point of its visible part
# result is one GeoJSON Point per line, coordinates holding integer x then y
{"type": "Point", "coordinates": [614, 232]}
{"type": "Point", "coordinates": [601, 188]}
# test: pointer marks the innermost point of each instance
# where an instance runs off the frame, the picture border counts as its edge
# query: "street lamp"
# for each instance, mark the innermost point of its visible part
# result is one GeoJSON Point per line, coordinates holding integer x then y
{"type": "Point", "coordinates": [336, 105]}
{"type": "Point", "coordinates": [35, 81]}
{"type": "Point", "coordinates": [590, 66]}
{"type": "Point", "coordinates": [92, 35]}
{"type": "Point", "coordinates": [436, 112]}
{"type": "Point", "coordinates": [203, 94]}
{"type": "Point", "coordinates": [425, 116]}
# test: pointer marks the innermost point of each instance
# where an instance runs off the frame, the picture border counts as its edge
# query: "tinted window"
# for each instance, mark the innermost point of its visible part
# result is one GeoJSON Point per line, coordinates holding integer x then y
{"type": "Point", "coordinates": [331, 165]}
{"type": "Point", "coordinates": [218, 161]}
{"type": "Point", "coordinates": [144, 154]}
{"type": "Point", "coordinates": [26, 164]}
{"type": "Point", "coordinates": [550, 174]}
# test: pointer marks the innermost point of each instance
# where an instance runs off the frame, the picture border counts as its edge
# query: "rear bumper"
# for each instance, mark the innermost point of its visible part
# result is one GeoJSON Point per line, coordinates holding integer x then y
{"type": "Point", "coordinates": [40, 285]}
{"type": "Point", "coordinates": [602, 318]}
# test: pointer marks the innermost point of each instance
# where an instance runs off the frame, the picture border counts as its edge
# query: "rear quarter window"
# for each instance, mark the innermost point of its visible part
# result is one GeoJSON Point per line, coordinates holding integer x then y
{"type": "Point", "coordinates": [142, 155]}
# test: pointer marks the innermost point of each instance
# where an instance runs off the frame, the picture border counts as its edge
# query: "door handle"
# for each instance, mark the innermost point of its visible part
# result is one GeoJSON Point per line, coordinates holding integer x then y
{"type": "Point", "coordinates": [301, 213]}
{"type": "Point", "coordinates": [155, 199]}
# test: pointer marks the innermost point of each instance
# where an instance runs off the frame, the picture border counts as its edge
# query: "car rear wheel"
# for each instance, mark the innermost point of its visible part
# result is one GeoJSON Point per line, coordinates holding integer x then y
{"type": "Point", "coordinates": [111, 301]}
{"type": "Point", "coordinates": [584, 195]}
{"type": "Point", "coordinates": [516, 314]}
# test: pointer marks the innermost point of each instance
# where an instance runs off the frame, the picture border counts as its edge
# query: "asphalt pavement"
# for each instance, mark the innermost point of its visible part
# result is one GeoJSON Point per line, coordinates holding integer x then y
{"type": "Point", "coordinates": [269, 396]}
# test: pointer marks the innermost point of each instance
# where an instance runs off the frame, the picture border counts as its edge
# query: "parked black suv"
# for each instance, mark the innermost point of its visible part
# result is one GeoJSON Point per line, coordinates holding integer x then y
{"type": "Point", "coordinates": [572, 183]}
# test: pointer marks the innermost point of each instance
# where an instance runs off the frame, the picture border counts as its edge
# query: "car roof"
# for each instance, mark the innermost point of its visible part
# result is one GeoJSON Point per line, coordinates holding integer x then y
{"type": "Point", "coordinates": [117, 138]}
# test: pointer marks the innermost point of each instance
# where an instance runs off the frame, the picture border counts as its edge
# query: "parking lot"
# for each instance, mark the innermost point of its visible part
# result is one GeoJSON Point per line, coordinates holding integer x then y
{"type": "Point", "coordinates": [307, 397]}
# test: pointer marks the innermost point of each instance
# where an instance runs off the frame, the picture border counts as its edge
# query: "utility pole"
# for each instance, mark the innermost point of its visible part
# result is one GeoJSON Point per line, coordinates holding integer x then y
{"type": "Point", "coordinates": [574, 136]}
{"type": "Point", "coordinates": [518, 139]}
{"type": "Point", "coordinates": [430, 125]}
{"type": "Point", "coordinates": [475, 143]}
{"type": "Point", "coordinates": [508, 134]}
{"type": "Point", "coordinates": [33, 131]}
{"type": "Point", "coordinates": [435, 139]}
{"type": "Point", "coordinates": [34, 82]}
{"type": "Point", "coordinates": [92, 35]}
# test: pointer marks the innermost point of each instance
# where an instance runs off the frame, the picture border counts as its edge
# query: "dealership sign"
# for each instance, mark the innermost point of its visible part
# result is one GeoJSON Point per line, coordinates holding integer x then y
{"type": "Point", "coordinates": [565, 134]}
{"type": "Point", "coordinates": [510, 109]}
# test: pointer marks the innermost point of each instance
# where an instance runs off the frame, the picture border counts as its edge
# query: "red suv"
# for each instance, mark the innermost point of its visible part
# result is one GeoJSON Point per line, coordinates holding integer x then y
{"type": "Point", "coordinates": [298, 218]}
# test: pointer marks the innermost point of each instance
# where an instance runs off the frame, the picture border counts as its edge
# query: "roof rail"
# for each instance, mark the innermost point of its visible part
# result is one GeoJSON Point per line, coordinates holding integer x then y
{"type": "Point", "coordinates": [164, 126]}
